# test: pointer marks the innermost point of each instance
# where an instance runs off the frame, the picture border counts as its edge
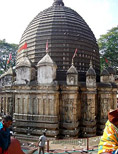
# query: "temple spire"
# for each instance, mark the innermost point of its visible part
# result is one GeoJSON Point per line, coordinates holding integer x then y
{"type": "Point", "coordinates": [91, 65]}
{"type": "Point", "coordinates": [58, 2]}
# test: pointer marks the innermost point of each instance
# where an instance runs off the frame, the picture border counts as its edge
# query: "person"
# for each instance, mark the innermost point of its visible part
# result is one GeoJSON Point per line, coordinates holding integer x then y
{"type": "Point", "coordinates": [5, 133]}
{"type": "Point", "coordinates": [109, 140]}
{"type": "Point", "coordinates": [41, 143]}
{"type": "Point", "coordinates": [15, 147]}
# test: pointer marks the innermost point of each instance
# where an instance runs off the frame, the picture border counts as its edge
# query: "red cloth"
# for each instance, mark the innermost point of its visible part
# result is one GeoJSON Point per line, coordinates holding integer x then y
{"type": "Point", "coordinates": [5, 152]}
{"type": "Point", "coordinates": [0, 150]}
{"type": "Point", "coordinates": [75, 53]}
{"type": "Point", "coordinates": [15, 147]}
{"type": "Point", "coordinates": [113, 116]}
{"type": "Point", "coordinates": [23, 47]}
{"type": "Point", "coordinates": [106, 60]}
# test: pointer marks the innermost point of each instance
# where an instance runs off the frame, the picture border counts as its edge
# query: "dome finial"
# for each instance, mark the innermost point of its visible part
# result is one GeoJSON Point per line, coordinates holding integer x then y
{"type": "Point", "coordinates": [58, 2]}
{"type": "Point", "coordinates": [91, 65]}
{"type": "Point", "coordinates": [72, 61]}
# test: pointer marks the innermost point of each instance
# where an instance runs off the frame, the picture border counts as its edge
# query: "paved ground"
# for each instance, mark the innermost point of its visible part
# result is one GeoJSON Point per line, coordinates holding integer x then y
{"type": "Point", "coordinates": [67, 149]}
{"type": "Point", "coordinates": [68, 152]}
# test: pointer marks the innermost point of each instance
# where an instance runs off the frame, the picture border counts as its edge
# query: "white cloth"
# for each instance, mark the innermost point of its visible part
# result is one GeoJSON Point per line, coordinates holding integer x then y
{"type": "Point", "coordinates": [42, 140]}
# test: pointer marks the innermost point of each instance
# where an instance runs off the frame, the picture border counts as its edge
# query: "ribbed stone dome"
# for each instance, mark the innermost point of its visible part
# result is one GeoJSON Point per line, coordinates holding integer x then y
{"type": "Point", "coordinates": [65, 31]}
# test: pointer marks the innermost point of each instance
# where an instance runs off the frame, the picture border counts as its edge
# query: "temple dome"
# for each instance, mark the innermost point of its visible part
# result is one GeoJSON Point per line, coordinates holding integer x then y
{"type": "Point", "coordinates": [65, 31]}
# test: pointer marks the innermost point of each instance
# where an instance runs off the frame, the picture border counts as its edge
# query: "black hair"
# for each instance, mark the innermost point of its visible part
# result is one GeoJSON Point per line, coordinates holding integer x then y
{"type": "Point", "coordinates": [7, 118]}
{"type": "Point", "coordinates": [44, 133]}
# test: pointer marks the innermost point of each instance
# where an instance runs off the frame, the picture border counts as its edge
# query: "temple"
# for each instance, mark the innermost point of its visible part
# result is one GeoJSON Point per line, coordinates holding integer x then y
{"type": "Point", "coordinates": [58, 90]}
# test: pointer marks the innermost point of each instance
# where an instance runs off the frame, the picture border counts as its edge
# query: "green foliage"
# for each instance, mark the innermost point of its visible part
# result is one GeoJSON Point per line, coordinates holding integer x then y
{"type": "Point", "coordinates": [108, 45]}
{"type": "Point", "coordinates": [5, 50]}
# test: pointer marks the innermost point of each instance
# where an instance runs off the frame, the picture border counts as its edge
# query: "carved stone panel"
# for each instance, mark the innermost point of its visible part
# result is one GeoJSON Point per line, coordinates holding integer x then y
{"type": "Point", "coordinates": [91, 81]}
{"type": "Point", "coordinates": [68, 108]}
{"type": "Point", "coordinates": [104, 107]}
{"type": "Point", "coordinates": [88, 107]}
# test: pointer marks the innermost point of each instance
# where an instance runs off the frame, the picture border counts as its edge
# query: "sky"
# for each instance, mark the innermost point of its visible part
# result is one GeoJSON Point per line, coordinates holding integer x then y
{"type": "Point", "coordinates": [15, 15]}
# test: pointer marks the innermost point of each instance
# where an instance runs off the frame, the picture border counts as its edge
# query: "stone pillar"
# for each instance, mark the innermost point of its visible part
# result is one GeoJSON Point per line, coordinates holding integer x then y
{"type": "Point", "coordinates": [89, 104]}
{"type": "Point", "coordinates": [107, 91]}
{"type": "Point", "coordinates": [11, 104]}
{"type": "Point", "coordinates": [105, 103]}
{"type": "Point", "coordinates": [69, 111]}
{"type": "Point", "coordinates": [88, 127]}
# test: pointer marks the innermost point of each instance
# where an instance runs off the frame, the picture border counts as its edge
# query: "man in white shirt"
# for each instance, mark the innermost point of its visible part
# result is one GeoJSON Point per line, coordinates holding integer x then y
{"type": "Point", "coordinates": [42, 140]}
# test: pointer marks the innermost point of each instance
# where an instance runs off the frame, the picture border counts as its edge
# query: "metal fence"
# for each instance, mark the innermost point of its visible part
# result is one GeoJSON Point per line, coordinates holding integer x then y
{"type": "Point", "coordinates": [81, 142]}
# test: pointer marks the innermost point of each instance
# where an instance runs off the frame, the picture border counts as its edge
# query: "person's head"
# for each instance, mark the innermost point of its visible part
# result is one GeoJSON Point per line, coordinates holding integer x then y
{"type": "Point", "coordinates": [44, 133]}
{"type": "Point", "coordinates": [113, 116]}
{"type": "Point", "coordinates": [7, 121]}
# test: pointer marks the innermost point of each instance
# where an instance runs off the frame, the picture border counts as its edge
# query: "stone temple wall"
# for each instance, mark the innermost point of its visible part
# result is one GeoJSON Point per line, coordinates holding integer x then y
{"type": "Point", "coordinates": [67, 109]}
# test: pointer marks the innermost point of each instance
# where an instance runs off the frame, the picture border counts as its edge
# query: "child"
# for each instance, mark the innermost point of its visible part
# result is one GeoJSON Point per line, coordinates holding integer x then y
{"type": "Point", "coordinates": [5, 134]}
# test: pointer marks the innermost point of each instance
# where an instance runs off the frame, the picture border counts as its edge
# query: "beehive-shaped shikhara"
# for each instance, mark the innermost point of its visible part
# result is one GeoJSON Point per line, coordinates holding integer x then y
{"type": "Point", "coordinates": [65, 31]}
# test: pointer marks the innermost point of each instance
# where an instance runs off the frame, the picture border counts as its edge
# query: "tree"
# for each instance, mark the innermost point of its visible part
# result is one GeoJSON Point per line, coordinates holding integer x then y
{"type": "Point", "coordinates": [108, 45]}
{"type": "Point", "coordinates": [5, 50]}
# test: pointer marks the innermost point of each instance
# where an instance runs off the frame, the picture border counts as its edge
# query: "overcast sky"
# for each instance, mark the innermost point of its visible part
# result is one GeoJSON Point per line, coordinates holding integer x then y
{"type": "Point", "coordinates": [15, 15]}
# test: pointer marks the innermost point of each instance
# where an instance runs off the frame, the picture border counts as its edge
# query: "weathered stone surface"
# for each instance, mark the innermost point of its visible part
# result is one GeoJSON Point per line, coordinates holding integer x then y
{"type": "Point", "coordinates": [89, 130]}
{"type": "Point", "coordinates": [40, 98]}
{"type": "Point", "coordinates": [70, 132]}
{"type": "Point", "coordinates": [36, 132]}
{"type": "Point", "coordinates": [72, 76]}
{"type": "Point", "coordinates": [70, 125]}
{"type": "Point", "coordinates": [46, 70]}
{"type": "Point", "coordinates": [61, 111]}
{"type": "Point", "coordinates": [36, 124]}
{"type": "Point", "coordinates": [36, 118]}
{"type": "Point", "coordinates": [89, 135]}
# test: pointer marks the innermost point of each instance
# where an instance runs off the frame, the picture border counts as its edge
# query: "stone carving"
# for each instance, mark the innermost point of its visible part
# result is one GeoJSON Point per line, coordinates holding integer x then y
{"type": "Point", "coordinates": [72, 76]}
{"type": "Point", "coordinates": [105, 107]}
{"type": "Point", "coordinates": [91, 81]}
{"type": "Point", "coordinates": [68, 114]}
